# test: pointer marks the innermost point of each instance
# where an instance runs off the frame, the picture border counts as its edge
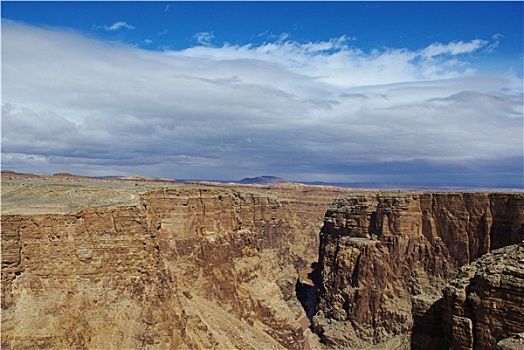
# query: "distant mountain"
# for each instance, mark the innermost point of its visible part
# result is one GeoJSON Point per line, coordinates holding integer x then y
{"type": "Point", "coordinates": [263, 180]}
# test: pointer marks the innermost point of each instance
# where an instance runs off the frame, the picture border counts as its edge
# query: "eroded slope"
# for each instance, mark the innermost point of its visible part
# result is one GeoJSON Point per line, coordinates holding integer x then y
{"type": "Point", "coordinates": [185, 266]}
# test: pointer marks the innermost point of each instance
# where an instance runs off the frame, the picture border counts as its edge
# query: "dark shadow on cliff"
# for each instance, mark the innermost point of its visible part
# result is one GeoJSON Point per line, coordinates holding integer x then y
{"type": "Point", "coordinates": [427, 332]}
{"type": "Point", "coordinates": [306, 290]}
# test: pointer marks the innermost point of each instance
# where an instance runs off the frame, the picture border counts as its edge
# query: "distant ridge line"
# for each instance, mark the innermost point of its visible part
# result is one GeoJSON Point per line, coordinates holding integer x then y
{"type": "Point", "coordinates": [263, 180]}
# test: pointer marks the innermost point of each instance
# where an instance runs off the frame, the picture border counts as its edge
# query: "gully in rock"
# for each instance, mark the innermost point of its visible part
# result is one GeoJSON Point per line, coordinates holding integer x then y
{"type": "Point", "coordinates": [306, 290]}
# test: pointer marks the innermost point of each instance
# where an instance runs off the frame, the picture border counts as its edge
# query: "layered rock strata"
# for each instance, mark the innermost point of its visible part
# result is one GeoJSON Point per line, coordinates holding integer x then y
{"type": "Point", "coordinates": [385, 257]}
{"type": "Point", "coordinates": [93, 279]}
{"type": "Point", "coordinates": [187, 267]}
{"type": "Point", "coordinates": [484, 305]}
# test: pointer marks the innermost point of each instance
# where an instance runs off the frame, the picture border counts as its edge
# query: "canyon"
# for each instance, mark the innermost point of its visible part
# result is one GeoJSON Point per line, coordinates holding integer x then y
{"type": "Point", "coordinates": [385, 258]}
{"type": "Point", "coordinates": [135, 263]}
{"type": "Point", "coordinates": [140, 264]}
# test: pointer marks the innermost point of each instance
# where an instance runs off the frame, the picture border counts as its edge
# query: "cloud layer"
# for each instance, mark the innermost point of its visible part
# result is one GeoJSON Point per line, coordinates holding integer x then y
{"type": "Point", "coordinates": [306, 111]}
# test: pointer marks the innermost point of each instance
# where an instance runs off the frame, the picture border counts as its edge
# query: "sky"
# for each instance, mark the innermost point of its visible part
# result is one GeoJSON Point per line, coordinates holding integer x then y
{"type": "Point", "coordinates": [392, 92]}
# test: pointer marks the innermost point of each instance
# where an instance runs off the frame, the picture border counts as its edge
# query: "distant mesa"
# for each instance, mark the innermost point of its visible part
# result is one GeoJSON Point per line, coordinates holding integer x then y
{"type": "Point", "coordinates": [263, 180]}
{"type": "Point", "coordinates": [9, 172]}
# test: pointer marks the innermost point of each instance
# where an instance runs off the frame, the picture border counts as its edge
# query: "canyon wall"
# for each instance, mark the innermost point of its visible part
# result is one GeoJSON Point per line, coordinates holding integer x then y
{"type": "Point", "coordinates": [216, 266]}
{"type": "Point", "coordinates": [93, 279]}
{"type": "Point", "coordinates": [187, 268]}
{"type": "Point", "coordinates": [484, 304]}
{"type": "Point", "coordinates": [385, 257]}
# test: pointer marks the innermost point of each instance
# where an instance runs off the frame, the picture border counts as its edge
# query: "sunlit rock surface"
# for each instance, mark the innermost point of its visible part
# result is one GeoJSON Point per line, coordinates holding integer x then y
{"type": "Point", "coordinates": [160, 266]}
{"type": "Point", "coordinates": [153, 264]}
{"type": "Point", "coordinates": [385, 256]}
{"type": "Point", "coordinates": [484, 304]}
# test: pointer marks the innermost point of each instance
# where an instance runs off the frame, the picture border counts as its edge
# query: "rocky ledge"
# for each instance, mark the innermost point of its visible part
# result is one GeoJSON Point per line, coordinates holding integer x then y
{"type": "Point", "coordinates": [484, 304]}
{"type": "Point", "coordinates": [385, 257]}
{"type": "Point", "coordinates": [192, 266]}
{"type": "Point", "coordinates": [167, 266]}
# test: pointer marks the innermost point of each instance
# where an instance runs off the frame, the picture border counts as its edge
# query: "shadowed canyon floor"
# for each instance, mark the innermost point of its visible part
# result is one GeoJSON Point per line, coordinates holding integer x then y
{"type": "Point", "coordinates": [150, 264]}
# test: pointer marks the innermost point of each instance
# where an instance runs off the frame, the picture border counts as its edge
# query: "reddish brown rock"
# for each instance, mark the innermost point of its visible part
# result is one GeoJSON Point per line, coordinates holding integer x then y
{"type": "Point", "coordinates": [91, 279]}
{"type": "Point", "coordinates": [180, 267]}
{"type": "Point", "coordinates": [159, 265]}
{"type": "Point", "coordinates": [485, 303]}
{"type": "Point", "coordinates": [379, 250]}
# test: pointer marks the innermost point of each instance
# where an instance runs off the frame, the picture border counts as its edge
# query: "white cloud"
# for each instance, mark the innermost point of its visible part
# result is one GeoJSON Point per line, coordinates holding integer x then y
{"type": "Point", "coordinates": [336, 63]}
{"type": "Point", "coordinates": [204, 38]}
{"type": "Point", "coordinates": [285, 108]}
{"type": "Point", "coordinates": [117, 26]}
{"type": "Point", "coordinates": [453, 48]}
{"type": "Point", "coordinates": [495, 42]}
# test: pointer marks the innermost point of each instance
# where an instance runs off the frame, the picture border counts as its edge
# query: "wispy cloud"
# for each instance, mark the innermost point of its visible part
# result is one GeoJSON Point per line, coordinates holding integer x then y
{"type": "Point", "coordinates": [337, 63]}
{"type": "Point", "coordinates": [116, 26]}
{"type": "Point", "coordinates": [495, 41]}
{"type": "Point", "coordinates": [453, 48]}
{"type": "Point", "coordinates": [204, 38]}
{"type": "Point", "coordinates": [299, 110]}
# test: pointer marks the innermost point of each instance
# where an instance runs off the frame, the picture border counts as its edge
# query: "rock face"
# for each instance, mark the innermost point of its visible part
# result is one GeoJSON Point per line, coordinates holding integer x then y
{"type": "Point", "coordinates": [484, 304]}
{"type": "Point", "coordinates": [186, 267]}
{"type": "Point", "coordinates": [76, 281]}
{"type": "Point", "coordinates": [385, 257]}
{"type": "Point", "coordinates": [512, 343]}
{"type": "Point", "coordinates": [192, 266]}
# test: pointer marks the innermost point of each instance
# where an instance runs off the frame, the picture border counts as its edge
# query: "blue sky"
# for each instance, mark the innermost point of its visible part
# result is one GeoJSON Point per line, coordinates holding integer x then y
{"type": "Point", "coordinates": [173, 25]}
{"type": "Point", "coordinates": [420, 92]}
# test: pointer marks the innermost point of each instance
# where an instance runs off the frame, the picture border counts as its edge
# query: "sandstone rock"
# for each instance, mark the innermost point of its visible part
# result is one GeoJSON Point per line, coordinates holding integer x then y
{"type": "Point", "coordinates": [378, 250]}
{"type": "Point", "coordinates": [427, 322]}
{"type": "Point", "coordinates": [484, 304]}
{"type": "Point", "coordinates": [512, 343]}
{"type": "Point", "coordinates": [185, 266]}
{"type": "Point", "coordinates": [92, 279]}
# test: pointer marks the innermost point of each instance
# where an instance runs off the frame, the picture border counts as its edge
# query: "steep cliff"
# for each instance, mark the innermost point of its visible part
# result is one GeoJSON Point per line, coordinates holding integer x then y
{"type": "Point", "coordinates": [191, 266]}
{"type": "Point", "coordinates": [484, 304]}
{"type": "Point", "coordinates": [185, 266]}
{"type": "Point", "coordinates": [384, 258]}
{"type": "Point", "coordinates": [93, 279]}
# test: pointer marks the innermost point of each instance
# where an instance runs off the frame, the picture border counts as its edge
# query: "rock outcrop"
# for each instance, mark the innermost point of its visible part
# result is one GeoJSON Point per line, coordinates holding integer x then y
{"type": "Point", "coordinates": [515, 342]}
{"type": "Point", "coordinates": [152, 265]}
{"type": "Point", "coordinates": [183, 267]}
{"type": "Point", "coordinates": [484, 304]}
{"type": "Point", "coordinates": [385, 257]}
{"type": "Point", "coordinates": [93, 279]}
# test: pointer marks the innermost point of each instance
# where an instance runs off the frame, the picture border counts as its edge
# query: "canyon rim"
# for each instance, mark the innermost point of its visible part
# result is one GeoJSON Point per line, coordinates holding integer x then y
{"type": "Point", "coordinates": [152, 264]}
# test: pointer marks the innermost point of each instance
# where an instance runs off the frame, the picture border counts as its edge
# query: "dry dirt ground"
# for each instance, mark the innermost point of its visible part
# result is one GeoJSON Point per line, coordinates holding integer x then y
{"type": "Point", "coordinates": [33, 194]}
{"type": "Point", "coordinates": [28, 194]}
